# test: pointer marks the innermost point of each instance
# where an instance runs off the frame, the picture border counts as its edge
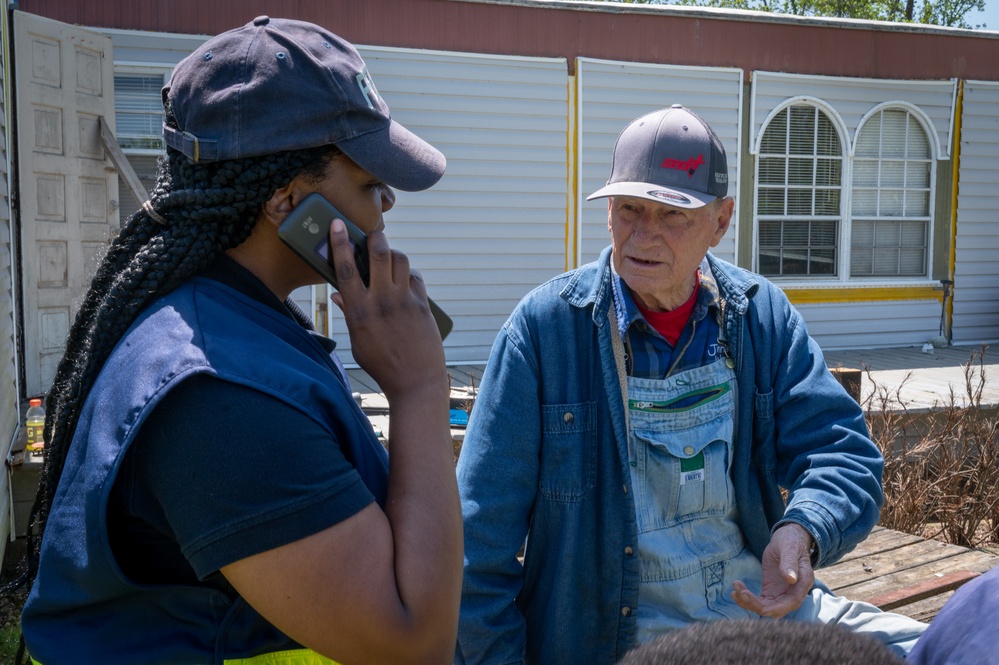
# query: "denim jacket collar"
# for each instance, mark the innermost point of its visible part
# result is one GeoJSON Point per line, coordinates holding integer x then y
{"type": "Point", "coordinates": [592, 285]}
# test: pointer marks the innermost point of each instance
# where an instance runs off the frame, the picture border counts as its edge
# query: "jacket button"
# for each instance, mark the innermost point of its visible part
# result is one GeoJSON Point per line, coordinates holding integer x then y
{"type": "Point", "coordinates": [628, 551]}
{"type": "Point", "coordinates": [567, 417]}
{"type": "Point", "coordinates": [626, 611]}
{"type": "Point", "coordinates": [688, 450]}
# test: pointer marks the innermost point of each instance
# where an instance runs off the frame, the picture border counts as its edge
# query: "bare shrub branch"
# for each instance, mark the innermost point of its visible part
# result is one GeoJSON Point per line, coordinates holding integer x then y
{"type": "Point", "coordinates": [941, 475]}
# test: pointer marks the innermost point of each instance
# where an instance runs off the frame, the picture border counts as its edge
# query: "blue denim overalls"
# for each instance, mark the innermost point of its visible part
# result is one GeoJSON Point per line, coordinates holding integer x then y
{"type": "Point", "coordinates": [691, 550]}
{"type": "Point", "coordinates": [690, 546]}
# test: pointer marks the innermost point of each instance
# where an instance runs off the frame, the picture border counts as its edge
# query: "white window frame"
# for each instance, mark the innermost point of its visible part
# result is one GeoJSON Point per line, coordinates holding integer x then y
{"type": "Point", "coordinates": [844, 240]}
{"type": "Point", "coordinates": [147, 71]}
{"type": "Point", "coordinates": [930, 159]}
{"type": "Point", "coordinates": [840, 217]}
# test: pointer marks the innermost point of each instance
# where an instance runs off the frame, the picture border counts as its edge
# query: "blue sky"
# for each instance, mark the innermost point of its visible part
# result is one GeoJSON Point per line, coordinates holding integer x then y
{"type": "Point", "coordinates": [990, 17]}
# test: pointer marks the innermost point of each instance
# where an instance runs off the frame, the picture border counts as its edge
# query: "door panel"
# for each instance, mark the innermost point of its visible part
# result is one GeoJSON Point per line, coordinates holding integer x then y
{"type": "Point", "coordinates": [68, 188]}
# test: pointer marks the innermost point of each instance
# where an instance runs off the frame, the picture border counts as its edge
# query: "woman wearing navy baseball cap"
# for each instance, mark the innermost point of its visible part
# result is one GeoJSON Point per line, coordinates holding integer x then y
{"type": "Point", "coordinates": [211, 492]}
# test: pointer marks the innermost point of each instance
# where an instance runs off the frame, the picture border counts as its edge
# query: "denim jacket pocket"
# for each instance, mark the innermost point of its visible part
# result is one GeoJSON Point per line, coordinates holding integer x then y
{"type": "Point", "coordinates": [568, 450]}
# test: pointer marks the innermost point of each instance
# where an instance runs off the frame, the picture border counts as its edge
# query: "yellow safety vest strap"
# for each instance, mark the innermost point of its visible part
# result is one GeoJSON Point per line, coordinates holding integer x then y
{"type": "Point", "coordinates": [294, 657]}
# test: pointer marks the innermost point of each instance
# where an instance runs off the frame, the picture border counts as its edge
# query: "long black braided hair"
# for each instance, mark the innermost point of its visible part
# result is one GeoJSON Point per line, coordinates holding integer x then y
{"type": "Point", "coordinates": [198, 211]}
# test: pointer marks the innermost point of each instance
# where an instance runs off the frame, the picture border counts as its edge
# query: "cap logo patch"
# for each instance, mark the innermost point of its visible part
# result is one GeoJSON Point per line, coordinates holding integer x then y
{"type": "Point", "coordinates": [367, 87]}
{"type": "Point", "coordinates": [689, 165]}
{"type": "Point", "coordinates": [670, 197]}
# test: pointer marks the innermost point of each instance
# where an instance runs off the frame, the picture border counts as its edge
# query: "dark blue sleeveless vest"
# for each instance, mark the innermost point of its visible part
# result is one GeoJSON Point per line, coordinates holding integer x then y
{"type": "Point", "coordinates": [82, 609]}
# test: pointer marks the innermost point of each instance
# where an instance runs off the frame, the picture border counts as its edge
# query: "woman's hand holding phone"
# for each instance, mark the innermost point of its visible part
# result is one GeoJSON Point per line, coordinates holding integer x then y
{"type": "Point", "coordinates": [393, 335]}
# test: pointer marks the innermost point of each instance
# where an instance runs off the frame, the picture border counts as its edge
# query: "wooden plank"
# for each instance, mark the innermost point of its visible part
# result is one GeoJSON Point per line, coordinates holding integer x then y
{"type": "Point", "coordinates": [121, 162]}
{"type": "Point", "coordinates": [888, 562]}
{"type": "Point", "coordinates": [879, 540]}
{"type": "Point", "coordinates": [926, 609]}
{"type": "Point", "coordinates": [925, 589]}
{"type": "Point", "coordinates": [970, 560]}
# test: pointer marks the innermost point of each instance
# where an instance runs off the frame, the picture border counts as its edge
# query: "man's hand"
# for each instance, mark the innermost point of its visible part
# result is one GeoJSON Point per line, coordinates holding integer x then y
{"type": "Point", "coordinates": [787, 575]}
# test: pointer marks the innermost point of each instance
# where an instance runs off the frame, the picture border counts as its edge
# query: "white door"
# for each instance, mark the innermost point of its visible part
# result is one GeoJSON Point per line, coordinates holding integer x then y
{"type": "Point", "coordinates": [68, 189]}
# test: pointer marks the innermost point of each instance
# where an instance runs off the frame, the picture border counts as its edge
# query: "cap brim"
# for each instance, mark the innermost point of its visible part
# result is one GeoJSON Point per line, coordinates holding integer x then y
{"type": "Point", "coordinates": [397, 157]}
{"type": "Point", "coordinates": [677, 197]}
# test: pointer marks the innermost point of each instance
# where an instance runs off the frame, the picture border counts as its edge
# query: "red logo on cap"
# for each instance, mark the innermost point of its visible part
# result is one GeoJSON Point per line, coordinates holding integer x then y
{"type": "Point", "coordinates": [689, 165]}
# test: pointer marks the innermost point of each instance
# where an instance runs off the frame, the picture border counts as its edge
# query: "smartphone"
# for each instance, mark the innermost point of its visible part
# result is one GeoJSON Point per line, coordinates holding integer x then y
{"type": "Point", "coordinates": [306, 230]}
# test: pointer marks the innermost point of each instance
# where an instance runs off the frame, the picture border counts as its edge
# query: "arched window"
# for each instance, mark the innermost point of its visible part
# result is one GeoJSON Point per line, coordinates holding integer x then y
{"type": "Point", "coordinates": [890, 212]}
{"type": "Point", "coordinates": [799, 194]}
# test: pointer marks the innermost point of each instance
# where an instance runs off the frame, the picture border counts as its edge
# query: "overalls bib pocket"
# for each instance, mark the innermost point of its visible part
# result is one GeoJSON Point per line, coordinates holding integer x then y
{"type": "Point", "coordinates": [681, 432]}
{"type": "Point", "coordinates": [690, 469]}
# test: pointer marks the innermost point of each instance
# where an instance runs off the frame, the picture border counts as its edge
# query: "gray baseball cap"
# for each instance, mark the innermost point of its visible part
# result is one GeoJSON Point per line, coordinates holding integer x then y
{"type": "Point", "coordinates": [670, 156]}
{"type": "Point", "coordinates": [278, 84]}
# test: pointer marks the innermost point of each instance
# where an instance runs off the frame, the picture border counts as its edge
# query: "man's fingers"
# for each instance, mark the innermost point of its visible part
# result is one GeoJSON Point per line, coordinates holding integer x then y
{"type": "Point", "coordinates": [745, 598]}
{"type": "Point", "coordinates": [789, 564]}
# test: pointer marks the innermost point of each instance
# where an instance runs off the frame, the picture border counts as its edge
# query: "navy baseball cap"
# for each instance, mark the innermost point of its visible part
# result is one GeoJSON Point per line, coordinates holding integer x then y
{"type": "Point", "coordinates": [670, 156]}
{"type": "Point", "coordinates": [278, 84]}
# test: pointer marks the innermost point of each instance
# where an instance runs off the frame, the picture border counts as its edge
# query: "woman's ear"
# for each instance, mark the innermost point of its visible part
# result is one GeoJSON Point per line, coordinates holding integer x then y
{"type": "Point", "coordinates": [283, 201]}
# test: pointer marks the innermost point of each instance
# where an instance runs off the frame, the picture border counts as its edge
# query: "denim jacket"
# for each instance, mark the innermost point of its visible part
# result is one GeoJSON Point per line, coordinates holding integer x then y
{"type": "Point", "coordinates": [544, 466]}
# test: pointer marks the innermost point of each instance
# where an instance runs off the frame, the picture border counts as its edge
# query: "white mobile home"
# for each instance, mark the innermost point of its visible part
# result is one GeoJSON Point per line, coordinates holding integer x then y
{"type": "Point", "coordinates": [864, 156]}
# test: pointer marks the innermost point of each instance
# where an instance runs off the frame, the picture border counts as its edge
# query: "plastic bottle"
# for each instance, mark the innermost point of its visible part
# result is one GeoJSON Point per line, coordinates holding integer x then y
{"type": "Point", "coordinates": [35, 424]}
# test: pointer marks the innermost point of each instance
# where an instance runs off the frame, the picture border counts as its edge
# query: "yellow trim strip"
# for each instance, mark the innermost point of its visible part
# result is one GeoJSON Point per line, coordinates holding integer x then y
{"type": "Point", "coordinates": [572, 211]}
{"type": "Point", "coordinates": [955, 159]}
{"type": "Point", "coordinates": [863, 294]}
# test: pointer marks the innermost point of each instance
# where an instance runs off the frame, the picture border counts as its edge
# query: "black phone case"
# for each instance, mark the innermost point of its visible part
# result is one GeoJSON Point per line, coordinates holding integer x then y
{"type": "Point", "coordinates": [306, 231]}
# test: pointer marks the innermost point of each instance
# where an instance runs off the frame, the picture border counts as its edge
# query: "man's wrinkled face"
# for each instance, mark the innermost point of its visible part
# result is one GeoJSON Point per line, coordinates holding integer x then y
{"type": "Point", "coordinates": [657, 247]}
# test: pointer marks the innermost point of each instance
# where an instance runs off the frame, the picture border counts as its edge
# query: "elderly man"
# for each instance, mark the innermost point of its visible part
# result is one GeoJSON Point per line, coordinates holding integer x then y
{"type": "Point", "coordinates": [635, 425]}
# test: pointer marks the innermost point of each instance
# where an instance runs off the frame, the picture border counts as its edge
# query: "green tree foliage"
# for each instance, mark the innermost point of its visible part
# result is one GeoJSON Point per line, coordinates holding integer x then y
{"type": "Point", "coordinates": [950, 13]}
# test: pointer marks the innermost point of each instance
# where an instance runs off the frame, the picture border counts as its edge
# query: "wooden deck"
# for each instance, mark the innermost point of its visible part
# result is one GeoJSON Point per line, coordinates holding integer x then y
{"type": "Point", "coordinates": [905, 574]}
{"type": "Point", "coordinates": [923, 381]}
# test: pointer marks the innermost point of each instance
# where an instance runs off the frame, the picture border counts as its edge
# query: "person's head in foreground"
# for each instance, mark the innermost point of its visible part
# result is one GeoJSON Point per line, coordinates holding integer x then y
{"type": "Point", "coordinates": [762, 643]}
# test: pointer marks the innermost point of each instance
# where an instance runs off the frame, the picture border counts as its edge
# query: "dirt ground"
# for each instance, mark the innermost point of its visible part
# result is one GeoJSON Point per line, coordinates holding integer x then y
{"type": "Point", "coordinates": [11, 603]}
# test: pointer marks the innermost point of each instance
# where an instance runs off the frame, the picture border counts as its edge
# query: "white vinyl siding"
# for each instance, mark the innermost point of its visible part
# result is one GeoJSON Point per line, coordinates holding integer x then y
{"type": "Point", "coordinates": [869, 325]}
{"type": "Point", "coordinates": [612, 94]}
{"type": "Point", "coordinates": [9, 402]}
{"type": "Point", "coordinates": [494, 227]}
{"type": "Point", "coordinates": [976, 271]}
